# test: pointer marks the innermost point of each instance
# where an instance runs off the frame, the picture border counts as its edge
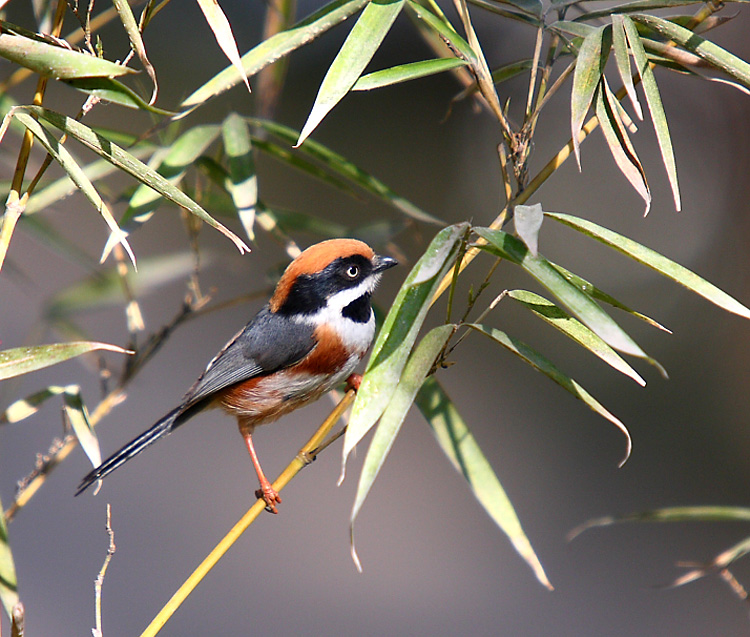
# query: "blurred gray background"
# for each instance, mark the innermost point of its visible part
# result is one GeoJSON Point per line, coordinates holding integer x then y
{"type": "Point", "coordinates": [433, 561]}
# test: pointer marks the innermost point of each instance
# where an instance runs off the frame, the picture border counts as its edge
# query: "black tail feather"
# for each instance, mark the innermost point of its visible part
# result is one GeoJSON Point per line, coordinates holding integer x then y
{"type": "Point", "coordinates": [133, 448]}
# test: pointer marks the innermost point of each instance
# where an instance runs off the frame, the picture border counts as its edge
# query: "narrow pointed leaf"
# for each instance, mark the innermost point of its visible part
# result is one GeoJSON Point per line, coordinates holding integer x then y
{"type": "Point", "coordinates": [655, 261]}
{"type": "Point", "coordinates": [590, 62]}
{"type": "Point", "coordinates": [127, 162]}
{"type": "Point", "coordinates": [445, 32]}
{"type": "Point", "coordinates": [78, 177]}
{"type": "Point", "coordinates": [341, 166]}
{"type": "Point", "coordinates": [622, 57]}
{"type": "Point", "coordinates": [25, 407]}
{"type": "Point", "coordinates": [415, 372]}
{"type": "Point", "coordinates": [55, 61]}
{"type": "Point", "coordinates": [8, 579]}
{"type": "Point", "coordinates": [544, 365]}
{"type": "Point", "coordinates": [619, 143]}
{"type": "Point", "coordinates": [580, 304]}
{"type": "Point", "coordinates": [655, 106]}
{"type": "Point", "coordinates": [528, 221]}
{"type": "Point", "coordinates": [574, 329]}
{"type": "Point", "coordinates": [22, 360]}
{"type": "Point", "coordinates": [243, 180]}
{"type": "Point", "coordinates": [111, 90]}
{"type": "Point", "coordinates": [406, 73]}
{"type": "Point", "coordinates": [136, 42]}
{"type": "Point", "coordinates": [275, 47]}
{"type": "Point", "coordinates": [398, 334]}
{"type": "Point", "coordinates": [355, 54]}
{"type": "Point", "coordinates": [223, 34]}
{"type": "Point", "coordinates": [78, 417]}
{"type": "Point", "coordinates": [716, 56]}
{"type": "Point", "coordinates": [461, 448]}
{"type": "Point", "coordinates": [594, 292]}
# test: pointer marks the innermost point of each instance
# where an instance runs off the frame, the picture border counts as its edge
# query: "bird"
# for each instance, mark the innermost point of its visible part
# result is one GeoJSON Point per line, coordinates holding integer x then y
{"type": "Point", "coordinates": [308, 339]}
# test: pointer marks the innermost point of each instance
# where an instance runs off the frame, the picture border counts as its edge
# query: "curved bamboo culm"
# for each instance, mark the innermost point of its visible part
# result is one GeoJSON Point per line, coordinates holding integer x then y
{"type": "Point", "coordinates": [302, 459]}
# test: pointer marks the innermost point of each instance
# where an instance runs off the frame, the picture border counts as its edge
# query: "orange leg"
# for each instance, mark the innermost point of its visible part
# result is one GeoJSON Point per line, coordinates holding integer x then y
{"type": "Point", "coordinates": [353, 382]}
{"type": "Point", "coordinates": [266, 491]}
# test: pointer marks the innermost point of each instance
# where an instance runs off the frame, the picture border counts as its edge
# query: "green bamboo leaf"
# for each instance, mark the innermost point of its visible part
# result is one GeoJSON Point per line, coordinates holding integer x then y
{"type": "Point", "coordinates": [406, 73]}
{"type": "Point", "coordinates": [655, 106]}
{"type": "Point", "coordinates": [136, 42]}
{"type": "Point", "coordinates": [592, 57]}
{"type": "Point", "coordinates": [8, 579]}
{"type": "Point", "coordinates": [110, 90]}
{"type": "Point", "coordinates": [716, 56]}
{"type": "Point", "coordinates": [243, 180]}
{"type": "Point", "coordinates": [544, 365]}
{"type": "Point", "coordinates": [22, 360]}
{"type": "Point", "coordinates": [125, 161]}
{"type": "Point", "coordinates": [78, 417]}
{"type": "Point", "coordinates": [442, 28]}
{"type": "Point", "coordinates": [622, 57]}
{"type": "Point", "coordinates": [576, 29]}
{"type": "Point", "coordinates": [418, 366]}
{"type": "Point", "coordinates": [461, 448]}
{"type": "Point", "coordinates": [594, 292]}
{"type": "Point", "coordinates": [78, 177]}
{"type": "Point", "coordinates": [669, 514]}
{"type": "Point", "coordinates": [343, 167]}
{"type": "Point", "coordinates": [172, 163]}
{"type": "Point", "coordinates": [55, 61]}
{"type": "Point", "coordinates": [574, 329]}
{"type": "Point", "coordinates": [632, 7]}
{"type": "Point", "coordinates": [580, 304]}
{"type": "Point", "coordinates": [508, 11]}
{"type": "Point", "coordinates": [274, 48]}
{"type": "Point", "coordinates": [25, 407]}
{"type": "Point", "coordinates": [219, 24]}
{"type": "Point", "coordinates": [397, 336]}
{"type": "Point", "coordinates": [619, 143]}
{"type": "Point", "coordinates": [528, 221]}
{"type": "Point", "coordinates": [655, 261]}
{"type": "Point", "coordinates": [355, 54]}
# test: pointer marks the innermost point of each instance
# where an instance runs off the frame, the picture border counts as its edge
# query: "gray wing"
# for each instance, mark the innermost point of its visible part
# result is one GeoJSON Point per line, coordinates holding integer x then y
{"type": "Point", "coordinates": [255, 350]}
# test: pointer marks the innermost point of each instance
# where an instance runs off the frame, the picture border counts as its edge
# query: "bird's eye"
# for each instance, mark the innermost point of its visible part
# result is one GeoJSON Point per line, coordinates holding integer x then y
{"type": "Point", "coordinates": [352, 272]}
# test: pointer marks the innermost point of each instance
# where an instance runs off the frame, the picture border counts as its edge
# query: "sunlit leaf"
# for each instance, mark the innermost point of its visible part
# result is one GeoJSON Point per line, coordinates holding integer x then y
{"type": "Point", "coordinates": [461, 448]}
{"type": "Point", "coordinates": [243, 181]}
{"type": "Point", "coordinates": [110, 90]}
{"type": "Point", "coordinates": [25, 407]}
{"type": "Point", "coordinates": [544, 365]}
{"type": "Point", "coordinates": [275, 47]}
{"type": "Point", "coordinates": [78, 417]}
{"type": "Point", "coordinates": [655, 107]}
{"type": "Point", "coordinates": [619, 142]}
{"type": "Point", "coordinates": [415, 371]}
{"type": "Point", "coordinates": [125, 161]}
{"type": "Point", "coordinates": [580, 304]}
{"type": "Point", "coordinates": [355, 54]}
{"type": "Point", "coordinates": [223, 34]}
{"type": "Point", "coordinates": [654, 260]}
{"type": "Point", "coordinates": [528, 221]}
{"type": "Point", "coordinates": [406, 73]}
{"type": "Point", "coordinates": [622, 57]}
{"type": "Point", "coordinates": [716, 56]}
{"type": "Point", "coordinates": [399, 331]}
{"type": "Point", "coordinates": [136, 42]}
{"type": "Point", "coordinates": [22, 360]}
{"type": "Point", "coordinates": [590, 62]}
{"type": "Point", "coordinates": [55, 61]}
{"type": "Point", "coordinates": [79, 178]}
{"type": "Point", "coordinates": [574, 329]}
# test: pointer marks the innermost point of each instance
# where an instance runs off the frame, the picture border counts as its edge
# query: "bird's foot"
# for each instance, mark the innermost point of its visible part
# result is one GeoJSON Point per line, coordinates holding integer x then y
{"type": "Point", "coordinates": [353, 382]}
{"type": "Point", "coordinates": [269, 495]}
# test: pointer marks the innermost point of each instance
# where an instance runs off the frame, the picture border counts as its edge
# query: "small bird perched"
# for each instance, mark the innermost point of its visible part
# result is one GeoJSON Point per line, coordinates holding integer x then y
{"type": "Point", "coordinates": [308, 339]}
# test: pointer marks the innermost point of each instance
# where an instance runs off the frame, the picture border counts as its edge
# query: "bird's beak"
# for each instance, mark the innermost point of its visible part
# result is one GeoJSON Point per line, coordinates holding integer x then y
{"type": "Point", "coordinates": [381, 263]}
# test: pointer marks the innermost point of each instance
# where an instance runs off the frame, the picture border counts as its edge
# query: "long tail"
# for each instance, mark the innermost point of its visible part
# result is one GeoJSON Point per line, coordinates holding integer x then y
{"type": "Point", "coordinates": [133, 448]}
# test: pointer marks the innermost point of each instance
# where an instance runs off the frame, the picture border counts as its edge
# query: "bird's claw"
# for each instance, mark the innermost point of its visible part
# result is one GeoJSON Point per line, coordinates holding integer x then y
{"type": "Point", "coordinates": [270, 496]}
